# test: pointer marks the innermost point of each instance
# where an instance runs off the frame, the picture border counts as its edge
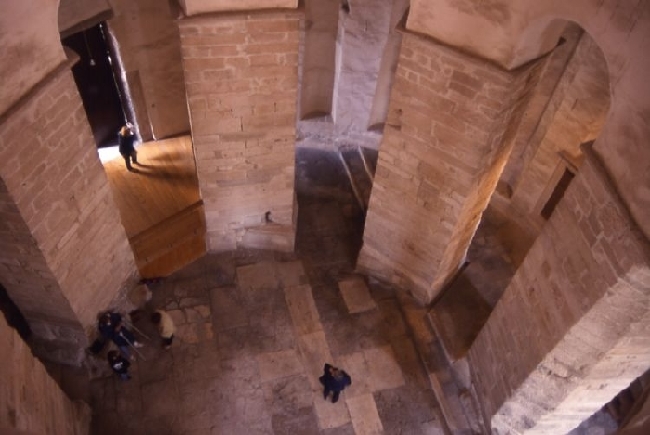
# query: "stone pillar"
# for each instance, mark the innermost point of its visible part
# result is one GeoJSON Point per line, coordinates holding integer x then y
{"type": "Point", "coordinates": [363, 32]}
{"type": "Point", "coordinates": [241, 74]}
{"type": "Point", "coordinates": [449, 131]}
{"type": "Point", "coordinates": [321, 26]}
{"type": "Point", "coordinates": [571, 329]}
{"type": "Point", "coordinates": [65, 255]}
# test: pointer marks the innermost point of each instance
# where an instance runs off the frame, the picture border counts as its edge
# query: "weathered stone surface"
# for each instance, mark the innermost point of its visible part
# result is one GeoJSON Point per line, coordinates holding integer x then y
{"type": "Point", "coordinates": [275, 365]}
{"type": "Point", "coordinates": [363, 413]}
{"type": "Point", "coordinates": [242, 106]}
{"type": "Point", "coordinates": [32, 400]}
{"type": "Point", "coordinates": [356, 295]}
{"type": "Point", "coordinates": [52, 223]}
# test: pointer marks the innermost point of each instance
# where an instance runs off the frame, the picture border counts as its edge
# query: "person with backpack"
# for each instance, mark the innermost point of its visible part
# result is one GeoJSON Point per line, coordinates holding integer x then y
{"type": "Point", "coordinates": [334, 380]}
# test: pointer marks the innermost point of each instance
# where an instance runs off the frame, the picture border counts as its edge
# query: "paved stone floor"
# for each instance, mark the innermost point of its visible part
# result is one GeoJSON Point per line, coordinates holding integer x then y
{"type": "Point", "coordinates": [255, 328]}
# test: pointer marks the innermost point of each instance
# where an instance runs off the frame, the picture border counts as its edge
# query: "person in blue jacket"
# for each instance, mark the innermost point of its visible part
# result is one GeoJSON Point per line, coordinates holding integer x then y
{"type": "Point", "coordinates": [334, 380]}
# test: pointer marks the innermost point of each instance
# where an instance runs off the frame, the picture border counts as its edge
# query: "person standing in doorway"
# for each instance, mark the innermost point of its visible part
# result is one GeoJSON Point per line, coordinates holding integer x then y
{"type": "Point", "coordinates": [126, 140]}
{"type": "Point", "coordinates": [166, 327]}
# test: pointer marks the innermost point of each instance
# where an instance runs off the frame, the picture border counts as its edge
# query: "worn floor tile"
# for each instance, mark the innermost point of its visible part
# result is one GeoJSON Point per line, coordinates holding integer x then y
{"type": "Point", "coordinates": [356, 295]}
{"type": "Point", "coordinates": [364, 415]}
{"type": "Point", "coordinates": [276, 365]}
{"type": "Point", "coordinates": [303, 309]}
{"type": "Point", "coordinates": [384, 371]}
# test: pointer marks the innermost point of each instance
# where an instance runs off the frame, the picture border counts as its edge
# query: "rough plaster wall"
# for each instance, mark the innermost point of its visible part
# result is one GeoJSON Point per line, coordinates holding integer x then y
{"type": "Point", "coordinates": [60, 189]}
{"type": "Point", "coordinates": [444, 146]}
{"type": "Point", "coordinates": [571, 328]}
{"type": "Point", "coordinates": [578, 118]}
{"type": "Point", "coordinates": [242, 79]}
{"type": "Point", "coordinates": [194, 7]}
{"type": "Point", "coordinates": [30, 399]}
{"type": "Point", "coordinates": [363, 36]}
{"type": "Point", "coordinates": [29, 47]}
{"type": "Point", "coordinates": [149, 47]}
{"type": "Point", "coordinates": [73, 12]}
{"type": "Point", "coordinates": [499, 28]}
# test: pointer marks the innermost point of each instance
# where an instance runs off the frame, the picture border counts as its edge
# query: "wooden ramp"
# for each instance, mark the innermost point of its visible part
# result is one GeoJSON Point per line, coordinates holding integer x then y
{"type": "Point", "coordinates": [160, 205]}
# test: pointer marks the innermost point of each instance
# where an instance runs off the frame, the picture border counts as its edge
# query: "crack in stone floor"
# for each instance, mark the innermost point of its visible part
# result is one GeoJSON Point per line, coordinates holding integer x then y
{"type": "Point", "coordinates": [254, 329]}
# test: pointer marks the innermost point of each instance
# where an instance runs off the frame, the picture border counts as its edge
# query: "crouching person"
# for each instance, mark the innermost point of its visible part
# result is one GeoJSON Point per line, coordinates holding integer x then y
{"type": "Point", "coordinates": [119, 364]}
{"type": "Point", "coordinates": [166, 327]}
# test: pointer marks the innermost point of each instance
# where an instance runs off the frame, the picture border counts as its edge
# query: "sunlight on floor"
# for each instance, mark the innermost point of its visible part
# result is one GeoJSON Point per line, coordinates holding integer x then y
{"type": "Point", "coordinates": [107, 154]}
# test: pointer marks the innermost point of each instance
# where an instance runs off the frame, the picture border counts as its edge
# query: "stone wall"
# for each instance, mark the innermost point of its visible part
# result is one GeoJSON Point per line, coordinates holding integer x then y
{"type": "Point", "coordinates": [241, 78]}
{"type": "Point", "coordinates": [149, 46]}
{"type": "Point", "coordinates": [194, 7]}
{"type": "Point", "coordinates": [450, 126]}
{"type": "Point", "coordinates": [72, 255]}
{"type": "Point", "coordinates": [31, 401]}
{"type": "Point", "coordinates": [571, 328]}
{"type": "Point", "coordinates": [76, 13]}
{"type": "Point", "coordinates": [29, 47]}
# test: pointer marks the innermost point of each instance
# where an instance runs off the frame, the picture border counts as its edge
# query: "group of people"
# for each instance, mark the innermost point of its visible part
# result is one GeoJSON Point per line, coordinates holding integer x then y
{"type": "Point", "coordinates": [111, 328]}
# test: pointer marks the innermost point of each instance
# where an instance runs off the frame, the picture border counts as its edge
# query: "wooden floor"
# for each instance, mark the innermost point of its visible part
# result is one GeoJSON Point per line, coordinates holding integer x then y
{"type": "Point", "coordinates": [160, 205]}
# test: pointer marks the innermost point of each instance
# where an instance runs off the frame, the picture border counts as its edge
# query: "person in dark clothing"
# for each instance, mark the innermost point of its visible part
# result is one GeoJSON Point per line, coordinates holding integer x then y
{"type": "Point", "coordinates": [119, 365]}
{"type": "Point", "coordinates": [126, 140]}
{"type": "Point", "coordinates": [111, 328]}
{"type": "Point", "coordinates": [334, 380]}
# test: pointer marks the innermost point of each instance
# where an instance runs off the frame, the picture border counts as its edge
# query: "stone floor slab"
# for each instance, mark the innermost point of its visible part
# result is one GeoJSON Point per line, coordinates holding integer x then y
{"type": "Point", "coordinates": [356, 295]}
{"type": "Point", "coordinates": [303, 309]}
{"type": "Point", "coordinates": [356, 366]}
{"type": "Point", "coordinates": [276, 365]}
{"type": "Point", "coordinates": [228, 308]}
{"type": "Point", "coordinates": [291, 274]}
{"type": "Point", "coordinates": [257, 276]}
{"type": "Point", "coordinates": [315, 353]}
{"type": "Point", "coordinates": [330, 415]}
{"type": "Point", "coordinates": [364, 415]}
{"type": "Point", "coordinates": [384, 371]}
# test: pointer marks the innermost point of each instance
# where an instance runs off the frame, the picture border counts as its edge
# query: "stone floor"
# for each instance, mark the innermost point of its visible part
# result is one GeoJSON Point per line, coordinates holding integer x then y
{"type": "Point", "coordinates": [255, 328]}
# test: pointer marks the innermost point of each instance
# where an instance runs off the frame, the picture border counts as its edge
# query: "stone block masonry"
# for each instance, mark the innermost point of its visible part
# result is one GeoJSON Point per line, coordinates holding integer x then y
{"type": "Point", "coordinates": [31, 401]}
{"type": "Point", "coordinates": [241, 76]}
{"type": "Point", "coordinates": [451, 123]}
{"type": "Point", "coordinates": [65, 255]}
{"type": "Point", "coordinates": [570, 331]}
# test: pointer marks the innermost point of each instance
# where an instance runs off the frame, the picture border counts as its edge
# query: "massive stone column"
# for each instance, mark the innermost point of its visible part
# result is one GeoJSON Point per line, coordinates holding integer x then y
{"type": "Point", "coordinates": [241, 74]}
{"type": "Point", "coordinates": [449, 131]}
{"type": "Point", "coordinates": [64, 255]}
{"type": "Point", "coordinates": [571, 330]}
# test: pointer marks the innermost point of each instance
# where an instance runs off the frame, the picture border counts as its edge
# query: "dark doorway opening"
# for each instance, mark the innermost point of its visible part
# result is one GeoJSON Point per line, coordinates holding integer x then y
{"type": "Point", "coordinates": [558, 194]}
{"type": "Point", "coordinates": [96, 80]}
